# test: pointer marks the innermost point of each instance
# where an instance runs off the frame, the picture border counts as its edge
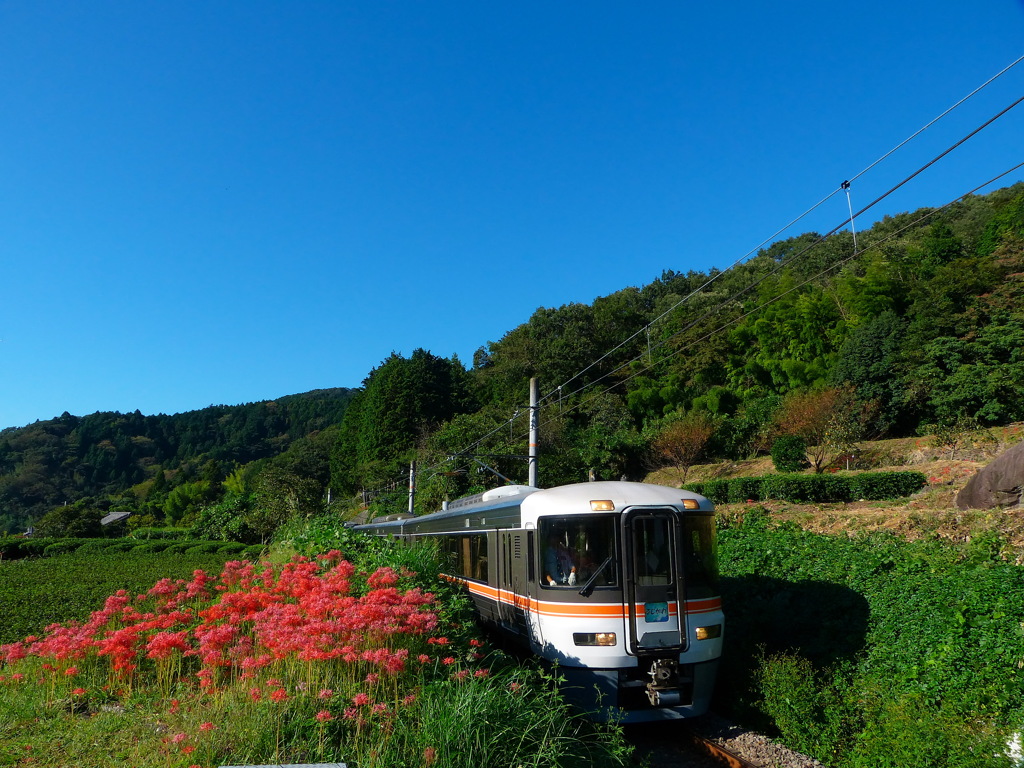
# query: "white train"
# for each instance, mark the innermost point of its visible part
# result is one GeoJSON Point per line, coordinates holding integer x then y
{"type": "Point", "coordinates": [615, 582]}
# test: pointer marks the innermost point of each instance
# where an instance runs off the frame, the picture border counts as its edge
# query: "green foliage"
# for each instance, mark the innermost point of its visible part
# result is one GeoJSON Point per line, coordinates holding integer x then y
{"type": "Point", "coordinates": [160, 533]}
{"type": "Point", "coordinates": [64, 547]}
{"type": "Point", "coordinates": [401, 401]}
{"type": "Point", "coordinates": [872, 650]}
{"type": "Point", "coordinates": [106, 455]}
{"type": "Point", "coordinates": [822, 489]}
{"type": "Point", "coordinates": [789, 453]}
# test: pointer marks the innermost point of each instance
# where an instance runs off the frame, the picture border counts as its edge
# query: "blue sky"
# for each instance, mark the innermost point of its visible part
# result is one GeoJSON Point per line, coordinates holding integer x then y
{"type": "Point", "coordinates": [222, 202]}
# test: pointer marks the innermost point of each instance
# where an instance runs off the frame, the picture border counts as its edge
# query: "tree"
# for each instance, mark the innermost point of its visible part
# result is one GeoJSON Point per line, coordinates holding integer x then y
{"type": "Point", "coordinates": [71, 521]}
{"type": "Point", "coordinates": [829, 420]}
{"type": "Point", "coordinates": [402, 402]}
{"type": "Point", "coordinates": [682, 442]}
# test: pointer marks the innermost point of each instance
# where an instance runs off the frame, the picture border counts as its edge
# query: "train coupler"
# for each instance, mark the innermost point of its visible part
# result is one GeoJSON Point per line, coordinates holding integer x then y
{"type": "Point", "coordinates": [663, 690]}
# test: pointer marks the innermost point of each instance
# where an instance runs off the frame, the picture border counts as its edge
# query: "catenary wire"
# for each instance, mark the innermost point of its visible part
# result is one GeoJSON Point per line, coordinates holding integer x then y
{"type": "Point", "coordinates": [758, 308]}
{"type": "Point", "coordinates": [844, 186]}
{"type": "Point", "coordinates": [850, 220]}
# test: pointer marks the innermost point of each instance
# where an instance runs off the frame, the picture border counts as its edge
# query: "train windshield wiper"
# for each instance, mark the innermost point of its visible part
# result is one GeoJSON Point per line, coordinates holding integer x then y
{"type": "Point", "coordinates": [588, 588]}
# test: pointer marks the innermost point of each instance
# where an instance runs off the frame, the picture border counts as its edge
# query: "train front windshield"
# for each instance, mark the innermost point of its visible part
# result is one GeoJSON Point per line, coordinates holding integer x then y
{"type": "Point", "coordinates": [576, 550]}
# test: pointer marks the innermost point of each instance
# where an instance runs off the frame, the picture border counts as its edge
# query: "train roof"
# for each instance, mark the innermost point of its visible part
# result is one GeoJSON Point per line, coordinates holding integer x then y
{"type": "Point", "coordinates": [520, 505]}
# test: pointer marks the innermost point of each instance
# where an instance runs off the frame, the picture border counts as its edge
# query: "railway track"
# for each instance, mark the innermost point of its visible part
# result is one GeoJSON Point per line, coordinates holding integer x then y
{"type": "Point", "coordinates": [715, 751]}
{"type": "Point", "coordinates": [710, 742]}
{"type": "Point", "coordinates": [676, 745]}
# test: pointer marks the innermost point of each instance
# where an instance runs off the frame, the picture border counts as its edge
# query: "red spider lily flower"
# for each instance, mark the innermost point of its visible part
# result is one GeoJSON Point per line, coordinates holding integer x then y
{"type": "Point", "coordinates": [462, 674]}
{"type": "Point", "coordinates": [207, 727]}
{"type": "Point", "coordinates": [351, 713]}
{"type": "Point", "coordinates": [279, 695]}
{"type": "Point", "coordinates": [514, 686]}
{"type": "Point", "coordinates": [361, 699]}
{"type": "Point", "coordinates": [423, 658]}
{"type": "Point", "coordinates": [429, 756]}
{"type": "Point", "coordinates": [382, 577]}
{"type": "Point", "coordinates": [325, 693]}
{"type": "Point", "coordinates": [255, 694]}
{"type": "Point", "coordinates": [410, 699]}
{"type": "Point", "coordinates": [175, 704]}
{"type": "Point", "coordinates": [78, 692]}
{"type": "Point", "coordinates": [482, 673]}
{"type": "Point", "coordinates": [448, 661]}
{"type": "Point", "coordinates": [188, 750]}
{"type": "Point", "coordinates": [380, 709]}
{"type": "Point", "coordinates": [372, 678]}
{"type": "Point", "coordinates": [323, 716]}
{"type": "Point", "coordinates": [179, 737]}
{"type": "Point", "coordinates": [476, 643]}
{"type": "Point", "coordinates": [71, 671]}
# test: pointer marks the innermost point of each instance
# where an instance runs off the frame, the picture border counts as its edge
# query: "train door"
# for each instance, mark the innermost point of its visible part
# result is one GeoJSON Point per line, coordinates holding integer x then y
{"type": "Point", "coordinates": [653, 588]}
{"type": "Point", "coordinates": [512, 595]}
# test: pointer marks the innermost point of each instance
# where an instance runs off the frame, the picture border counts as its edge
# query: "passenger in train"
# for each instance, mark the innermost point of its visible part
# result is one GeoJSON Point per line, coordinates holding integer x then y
{"type": "Point", "coordinates": [559, 563]}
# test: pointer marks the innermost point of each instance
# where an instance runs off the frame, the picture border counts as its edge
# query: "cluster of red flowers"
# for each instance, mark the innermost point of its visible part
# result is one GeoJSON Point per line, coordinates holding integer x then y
{"type": "Point", "coordinates": [248, 619]}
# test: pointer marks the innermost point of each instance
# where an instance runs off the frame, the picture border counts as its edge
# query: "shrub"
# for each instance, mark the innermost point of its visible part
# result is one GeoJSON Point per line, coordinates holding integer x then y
{"type": "Point", "coordinates": [743, 488]}
{"type": "Point", "coordinates": [717, 491]}
{"type": "Point", "coordinates": [148, 533]}
{"type": "Point", "coordinates": [180, 547]}
{"type": "Point", "coordinates": [789, 453]}
{"type": "Point", "coordinates": [254, 552]}
{"type": "Point", "coordinates": [821, 489]}
{"type": "Point", "coordinates": [96, 546]}
{"type": "Point", "coordinates": [64, 547]}
{"type": "Point", "coordinates": [204, 548]}
{"type": "Point", "coordinates": [151, 547]}
{"type": "Point", "coordinates": [232, 548]}
{"type": "Point", "coordinates": [872, 651]}
{"type": "Point", "coordinates": [877, 486]}
{"type": "Point", "coordinates": [10, 548]}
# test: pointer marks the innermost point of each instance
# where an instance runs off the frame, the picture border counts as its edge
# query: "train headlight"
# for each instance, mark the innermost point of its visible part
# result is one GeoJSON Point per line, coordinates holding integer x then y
{"type": "Point", "coordinates": [602, 505]}
{"type": "Point", "coordinates": [709, 633]}
{"type": "Point", "coordinates": [593, 638]}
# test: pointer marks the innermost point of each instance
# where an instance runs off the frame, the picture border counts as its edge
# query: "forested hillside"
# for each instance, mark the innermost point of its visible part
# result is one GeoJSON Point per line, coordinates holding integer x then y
{"type": "Point", "coordinates": [145, 463]}
{"type": "Point", "coordinates": [918, 328]}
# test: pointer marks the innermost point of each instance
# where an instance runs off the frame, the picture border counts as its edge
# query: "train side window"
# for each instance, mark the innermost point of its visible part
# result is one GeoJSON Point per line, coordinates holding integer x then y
{"type": "Point", "coordinates": [573, 549]}
{"type": "Point", "coordinates": [466, 555]}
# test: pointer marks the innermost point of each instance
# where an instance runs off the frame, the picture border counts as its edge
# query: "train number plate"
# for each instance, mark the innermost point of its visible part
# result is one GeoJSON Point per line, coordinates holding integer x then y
{"type": "Point", "coordinates": [654, 612]}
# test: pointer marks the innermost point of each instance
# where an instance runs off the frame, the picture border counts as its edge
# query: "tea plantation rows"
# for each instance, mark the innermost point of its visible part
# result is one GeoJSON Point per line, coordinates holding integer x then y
{"type": "Point", "coordinates": [38, 591]}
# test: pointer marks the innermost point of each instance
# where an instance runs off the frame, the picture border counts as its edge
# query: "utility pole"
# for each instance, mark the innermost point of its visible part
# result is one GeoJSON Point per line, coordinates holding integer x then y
{"type": "Point", "coordinates": [412, 485]}
{"type": "Point", "coordinates": [533, 434]}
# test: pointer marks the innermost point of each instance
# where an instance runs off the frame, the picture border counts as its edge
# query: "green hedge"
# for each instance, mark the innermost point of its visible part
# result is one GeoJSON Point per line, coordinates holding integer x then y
{"type": "Point", "coordinates": [150, 533]}
{"type": "Point", "coordinates": [826, 488]}
{"type": "Point", "coordinates": [151, 547]}
{"type": "Point", "coordinates": [254, 552]}
{"type": "Point", "coordinates": [64, 547]}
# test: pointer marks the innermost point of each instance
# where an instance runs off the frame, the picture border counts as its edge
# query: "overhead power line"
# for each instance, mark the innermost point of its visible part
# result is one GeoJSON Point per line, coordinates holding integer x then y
{"type": "Point", "coordinates": [844, 186]}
